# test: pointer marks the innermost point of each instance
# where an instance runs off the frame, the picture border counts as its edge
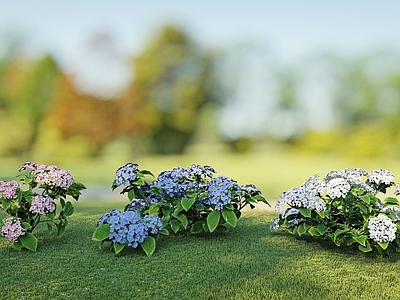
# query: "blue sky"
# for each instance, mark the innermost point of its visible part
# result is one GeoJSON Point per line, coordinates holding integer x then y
{"type": "Point", "coordinates": [290, 29]}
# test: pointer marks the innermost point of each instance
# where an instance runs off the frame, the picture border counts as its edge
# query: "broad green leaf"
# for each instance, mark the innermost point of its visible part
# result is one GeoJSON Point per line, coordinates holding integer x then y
{"type": "Point", "coordinates": [197, 227]}
{"type": "Point", "coordinates": [174, 225]}
{"type": "Point", "coordinates": [200, 207]}
{"type": "Point", "coordinates": [305, 212]}
{"type": "Point", "coordinates": [314, 231]}
{"type": "Point", "coordinates": [323, 213]}
{"type": "Point", "coordinates": [17, 246]}
{"type": "Point", "coordinates": [26, 225]}
{"type": "Point", "coordinates": [182, 218]}
{"type": "Point", "coordinates": [187, 203]}
{"type": "Point", "coordinates": [69, 209]}
{"type": "Point", "coordinates": [366, 199]}
{"type": "Point", "coordinates": [101, 233]}
{"type": "Point", "coordinates": [391, 200]}
{"type": "Point", "coordinates": [153, 210]}
{"type": "Point", "coordinates": [229, 217]}
{"type": "Point", "coordinates": [149, 245]}
{"type": "Point", "coordinates": [118, 247]}
{"type": "Point", "coordinates": [383, 245]}
{"type": "Point", "coordinates": [302, 229]}
{"type": "Point", "coordinates": [6, 204]}
{"type": "Point", "coordinates": [29, 241]}
{"type": "Point", "coordinates": [213, 220]}
{"type": "Point", "coordinates": [61, 229]}
{"type": "Point", "coordinates": [163, 231]}
{"type": "Point", "coordinates": [51, 215]}
{"type": "Point", "coordinates": [221, 228]}
{"type": "Point", "coordinates": [365, 249]}
{"type": "Point", "coordinates": [166, 210]}
{"type": "Point", "coordinates": [322, 229]}
{"type": "Point", "coordinates": [131, 195]}
{"type": "Point", "coordinates": [362, 239]}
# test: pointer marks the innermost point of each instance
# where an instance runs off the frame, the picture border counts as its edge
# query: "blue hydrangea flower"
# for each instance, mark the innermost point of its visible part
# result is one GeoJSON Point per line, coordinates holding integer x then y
{"type": "Point", "coordinates": [126, 174]}
{"type": "Point", "coordinates": [137, 205]}
{"type": "Point", "coordinates": [220, 191]}
{"type": "Point", "coordinates": [175, 183]}
{"type": "Point", "coordinates": [153, 223]}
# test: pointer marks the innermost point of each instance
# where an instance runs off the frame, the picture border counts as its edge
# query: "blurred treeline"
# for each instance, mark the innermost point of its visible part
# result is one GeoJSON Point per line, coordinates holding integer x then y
{"type": "Point", "coordinates": [325, 103]}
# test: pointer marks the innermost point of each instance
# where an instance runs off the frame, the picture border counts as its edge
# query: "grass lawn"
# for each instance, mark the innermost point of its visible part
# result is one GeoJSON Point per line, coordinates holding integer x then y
{"type": "Point", "coordinates": [248, 262]}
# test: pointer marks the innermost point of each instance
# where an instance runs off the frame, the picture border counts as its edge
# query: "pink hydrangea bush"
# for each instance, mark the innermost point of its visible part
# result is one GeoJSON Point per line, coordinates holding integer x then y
{"type": "Point", "coordinates": [33, 200]}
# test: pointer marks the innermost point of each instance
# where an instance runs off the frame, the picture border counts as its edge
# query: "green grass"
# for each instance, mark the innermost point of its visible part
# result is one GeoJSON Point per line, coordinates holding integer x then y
{"type": "Point", "coordinates": [248, 262]}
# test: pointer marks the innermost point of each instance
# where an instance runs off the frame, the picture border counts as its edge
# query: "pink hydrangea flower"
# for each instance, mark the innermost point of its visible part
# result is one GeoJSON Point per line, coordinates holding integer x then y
{"type": "Point", "coordinates": [12, 229]}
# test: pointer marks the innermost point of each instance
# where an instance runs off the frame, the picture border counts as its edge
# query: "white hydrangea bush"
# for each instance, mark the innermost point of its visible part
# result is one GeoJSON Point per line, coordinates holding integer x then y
{"type": "Point", "coordinates": [345, 207]}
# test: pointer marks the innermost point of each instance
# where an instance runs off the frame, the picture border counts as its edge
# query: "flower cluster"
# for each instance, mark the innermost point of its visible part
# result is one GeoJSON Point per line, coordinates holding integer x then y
{"type": "Point", "coordinates": [182, 199]}
{"type": "Point", "coordinates": [220, 191]}
{"type": "Point", "coordinates": [8, 190]}
{"type": "Point", "coordinates": [382, 229]}
{"type": "Point", "coordinates": [129, 227]}
{"type": "Point", "coordinates": [42, 205]}
{"type": "Point", "coordinates": [32, 201]}
{"type": "Point", "coordinates": [126, 174]}
{"type": "Point", "coordinates": [12, 229]}
{"type": "Point", "coordinates": [49, 175]}
{"type": "Point", "coordinates": [344, 208]}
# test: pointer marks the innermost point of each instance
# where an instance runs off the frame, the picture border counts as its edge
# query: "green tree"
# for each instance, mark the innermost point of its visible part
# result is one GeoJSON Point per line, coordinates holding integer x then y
{"type": "Point", "coordinates": [172, 75]}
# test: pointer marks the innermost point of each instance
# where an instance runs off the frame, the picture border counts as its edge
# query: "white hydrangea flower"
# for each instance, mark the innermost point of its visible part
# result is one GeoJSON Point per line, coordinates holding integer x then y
{"type": "Point", "coordinates": [381, 176]}
{"type": "Point", "coordinates": [382, 229]}
{"type": "Point", "coordinates": [337, 188]}
{"type": "Point", "coordinates": [397, 189]}
{"type": "Point", "coordinates": [299, 197]}
{"type": "Point", "coordinates": [275, 225]}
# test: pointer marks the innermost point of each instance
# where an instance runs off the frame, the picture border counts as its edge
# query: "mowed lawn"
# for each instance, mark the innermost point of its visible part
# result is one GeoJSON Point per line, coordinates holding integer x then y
{"type": "Point", "coordinates": [248, 262]}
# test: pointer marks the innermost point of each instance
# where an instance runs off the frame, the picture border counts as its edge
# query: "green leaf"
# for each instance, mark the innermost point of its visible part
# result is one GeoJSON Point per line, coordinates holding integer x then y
{"type": "Point", "coordinates": [69, 209]}
{"type": "Point", "coordinates": [174, 225]}
{"type": "Point", "coordinates": [391, 200]}
{"type": "Point", "coordinates": [213, 220]}
{"type": "Point", "coordinates": [362, 239]}
{"type": "Point", "coordinates": [221, 228]}
{"type": "Point", "coordinates": [29, 241]}
{"type": "Point", "coordinates": [187, 203]}
{"type": "Point", "coordinates": [302, 229]}
{"type": "Point", "coordinates": [153, 210]}
{"type": "Point", "coordinates": [323, 213]}
{"type": "Point", "coordinates": [61, 229]}
{"type": "Point", "coordinates": [383, 245]}
{"type": "Point", "coordinates": [26, 225]}
{"type": "Point", "coordinates": [101, 233]}
{"type": "Point", "coordinates": [182, 218]}
{"type": "Point", "coordinates": [305, 212]}
{"type": "Point", "coordinates": [197, 227]}
{"type": "Point", "coordinates": [131, 195]}
{"type": "Point", "coordinates": [165, 210]}
{"type": "Point", "coordinates": [163, 231]}
{"type": "Point", "coordinates": [314, 231]}
{"type": "Point", "coordinates": [118, 247]}
{"type": "Point", "coordinates": [322, 229]}
{"type": "Point", "coordinates": [149, 245]}
{"type": "Point", "coordinates": [17, 246]}
{"type": "Point", "coordinates": [365, 249]}
{"type": "Point", "coordinates": [229, 217]}
{"type": "Point", "coordinates": [366, 199]}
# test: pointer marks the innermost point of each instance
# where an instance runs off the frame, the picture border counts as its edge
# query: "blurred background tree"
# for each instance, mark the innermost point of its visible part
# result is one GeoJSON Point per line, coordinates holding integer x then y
{"type": "Point", "coordinates": [171, 75]}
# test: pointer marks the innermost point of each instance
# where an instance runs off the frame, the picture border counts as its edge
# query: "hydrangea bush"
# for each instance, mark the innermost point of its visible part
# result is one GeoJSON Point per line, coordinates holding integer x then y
{"type": "Point", "coordinates": [178, 200]}
{"type": "Point", "coordinates": [32, 201]}
{"type": "Point", "coordinates": [344, 207]}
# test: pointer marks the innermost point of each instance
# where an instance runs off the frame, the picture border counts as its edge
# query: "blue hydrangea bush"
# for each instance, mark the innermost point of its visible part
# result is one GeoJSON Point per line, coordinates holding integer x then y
{"type": "Point", "coordinates": [344, 207]}
{"type": "Point", "coordinates": [32, 200]}
{"type": "Point", "coordinates": [188, 200]}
